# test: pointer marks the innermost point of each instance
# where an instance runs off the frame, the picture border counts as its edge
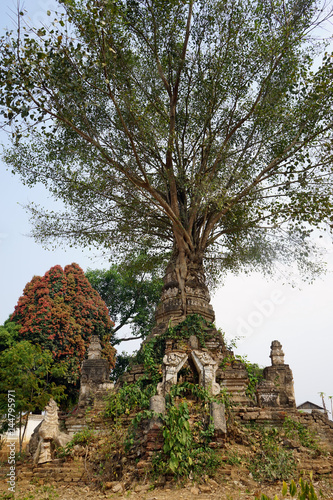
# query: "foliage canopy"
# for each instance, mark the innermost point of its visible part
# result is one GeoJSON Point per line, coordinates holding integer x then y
{"type": "Point", "coordinates": [60, 312]}
{"type": "Point", "coordinates": [198, 126]}
{"type": "Point", "coordinates": [27, 374]}
{"type": "Point", "coordinates": [131, 298]}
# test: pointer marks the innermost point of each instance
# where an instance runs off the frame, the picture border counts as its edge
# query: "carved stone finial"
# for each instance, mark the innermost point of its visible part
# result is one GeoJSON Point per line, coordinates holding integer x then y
{"type": "Point", "coordinates": [277, 354]}
{"type": "Point", "coordinates": [95, 348]}
{"type": "Point", "coordinates": [277, 388]}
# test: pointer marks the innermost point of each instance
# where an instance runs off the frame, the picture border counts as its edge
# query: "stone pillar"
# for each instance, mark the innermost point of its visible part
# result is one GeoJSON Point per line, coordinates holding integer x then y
{"type": "Point", "coordinates": [157, 404]}
{"type": "Point", "coordinates": [217, 413]}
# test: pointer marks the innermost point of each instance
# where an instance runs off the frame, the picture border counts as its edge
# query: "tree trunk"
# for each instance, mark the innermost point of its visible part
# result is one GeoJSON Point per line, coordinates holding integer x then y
{"type": "Point", "coordinates": [184, 292]}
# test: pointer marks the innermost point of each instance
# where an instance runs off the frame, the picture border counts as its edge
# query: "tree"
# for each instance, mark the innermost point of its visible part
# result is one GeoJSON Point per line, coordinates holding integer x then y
{"type": "Point", "coordinates": [131, 296]}
{"type": "Point", "coordinates": [26, 373]}
{"type": "Point", "coordinates": [60, 312]}
{"type": "Point", "coordinates": [190, 126]}
{"type": "Point", "coordinates": [9, 334]}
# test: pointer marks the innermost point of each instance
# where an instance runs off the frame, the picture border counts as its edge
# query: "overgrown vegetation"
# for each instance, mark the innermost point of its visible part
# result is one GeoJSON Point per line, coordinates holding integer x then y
{"type": "Point", "coordinates": [255, 374]}
{"type": "Point", "coordinates": [296, 430]}
{"type": "Point", "coordinates": [151, 353]}
{"type": "Point", "coordinates": [82, 438]}
{"type": "Point", "coordinates": [274, 460]}
{"type": "Point", "coordinates": [271, 461]}
{"type": "Point", "coordinates": [45, 492]}
{"type": "Point", "coordinates": [185, 449]}
{"type": "Point", "coordinates": [27, 376]}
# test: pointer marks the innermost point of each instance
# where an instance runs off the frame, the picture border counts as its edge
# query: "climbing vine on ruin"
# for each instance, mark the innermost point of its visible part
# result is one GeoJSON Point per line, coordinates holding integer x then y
{"type": "Point", "coordinates": [185, 450]}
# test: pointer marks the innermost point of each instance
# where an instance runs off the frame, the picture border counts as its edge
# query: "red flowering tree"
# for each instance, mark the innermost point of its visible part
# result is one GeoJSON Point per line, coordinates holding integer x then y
{"type": "Point", "coordinates": [60, 312]}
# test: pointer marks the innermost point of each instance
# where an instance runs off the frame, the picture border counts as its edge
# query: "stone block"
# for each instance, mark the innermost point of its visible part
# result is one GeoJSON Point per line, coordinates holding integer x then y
{"type": "Point", "coordinates": [217, 413]}
{"type": "Point", "coordinates": [251, 415]}
{"type": "Point", "coordinates": [157, 404]}
{"type": "Point", "coordinates": [118, 488]}
{"type": "Point", "coordinates": [154, 446]}
{"type": "Point", "coordinates": [140, 488]}
{"type": "Point", "coordinates": [142, 464]}
{"type": "Point", "coordinates": [205, 488]}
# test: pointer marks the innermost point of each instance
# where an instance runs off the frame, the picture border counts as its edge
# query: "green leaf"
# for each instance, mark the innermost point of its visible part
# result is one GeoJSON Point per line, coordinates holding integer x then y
{"type": "Point", "coordinates": [292, 488]}
{"type": "Point", "coordinates": [284, 488]}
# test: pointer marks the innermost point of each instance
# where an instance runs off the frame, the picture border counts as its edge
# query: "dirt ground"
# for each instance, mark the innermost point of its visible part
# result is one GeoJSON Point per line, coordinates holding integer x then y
{"type": "Point", "coordinates": [233, 483]}
{"type": "Point", "coordinates": [230, 489]}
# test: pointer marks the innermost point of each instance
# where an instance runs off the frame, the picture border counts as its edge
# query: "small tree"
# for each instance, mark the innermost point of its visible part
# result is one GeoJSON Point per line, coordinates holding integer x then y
{"type": "Point", "coordinates": [331, 401]}
{"type": "Point", "coordinates": [27, 370]}
{"type": "Point", "coordinates": [60, 312]}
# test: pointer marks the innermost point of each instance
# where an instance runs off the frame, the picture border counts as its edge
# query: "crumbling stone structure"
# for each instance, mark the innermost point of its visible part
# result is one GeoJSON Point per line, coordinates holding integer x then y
{"type": "Point", "coordinates": [94, 385]}
{"type": "Point", "coordinates": [205, 365]}
{"type": "Point", "coordinates": [169, 310]}
{"type": "Point", "coordinates": [277, 387]}
{"type": "Point", "coordinates": [95, 374]}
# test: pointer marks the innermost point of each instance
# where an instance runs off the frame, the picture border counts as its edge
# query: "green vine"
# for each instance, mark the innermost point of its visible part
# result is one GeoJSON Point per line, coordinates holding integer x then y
{"type": "Point", "coordinates": [194, 324]}
{"type": "Point", "coordinates": [129, 398]}
{"type": "Point", "coordinates": [151, 352]}
{"type": "Point", "coordinates": [294, 429]}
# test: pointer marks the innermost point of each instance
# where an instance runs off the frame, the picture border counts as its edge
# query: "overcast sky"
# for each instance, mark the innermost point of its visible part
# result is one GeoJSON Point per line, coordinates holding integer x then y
{"type": "Point", "coordinates": [249, 307]}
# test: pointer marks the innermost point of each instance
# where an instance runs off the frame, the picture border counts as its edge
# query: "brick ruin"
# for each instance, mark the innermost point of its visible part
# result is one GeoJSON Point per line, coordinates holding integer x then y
{"type": "Point", "coordinates": [169, 311]}
{"type": "Point", "coordinates": [211, 366]}
{"type": "Point", "coordinates": [94, 386]}
{"type": "Point", "coordinates": [202, 360]}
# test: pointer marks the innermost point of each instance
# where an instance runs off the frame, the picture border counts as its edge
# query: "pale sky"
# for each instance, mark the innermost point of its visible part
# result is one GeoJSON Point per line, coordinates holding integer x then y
{"type": "Point", "coordinates": [250, 307]}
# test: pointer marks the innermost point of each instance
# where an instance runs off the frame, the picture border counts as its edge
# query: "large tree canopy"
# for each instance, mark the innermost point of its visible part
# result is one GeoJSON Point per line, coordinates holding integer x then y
{"type": "Point", "coordinates": [199, 127]}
